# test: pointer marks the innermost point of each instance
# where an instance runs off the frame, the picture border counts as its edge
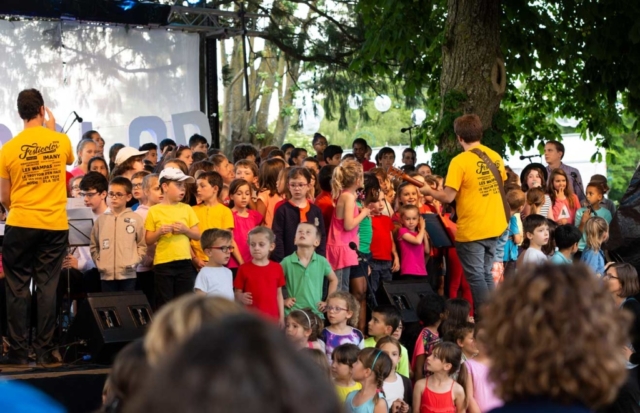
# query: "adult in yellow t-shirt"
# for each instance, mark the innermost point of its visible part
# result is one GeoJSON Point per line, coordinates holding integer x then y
{"type": "Point", "coordinates": [33, 189]}
{"type": "Point", "coordinates": [479, 207]}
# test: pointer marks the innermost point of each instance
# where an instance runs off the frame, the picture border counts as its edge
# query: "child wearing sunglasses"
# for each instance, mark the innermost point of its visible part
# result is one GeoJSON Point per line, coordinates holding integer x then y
{"type": "Point", "coordinates": [214, 279]}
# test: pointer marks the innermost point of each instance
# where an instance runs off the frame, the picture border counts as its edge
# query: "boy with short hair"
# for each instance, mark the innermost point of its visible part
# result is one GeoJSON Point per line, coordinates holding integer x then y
{"type": "Point", "coordinates": [259, 282]}
{"type": "Point", "coordinates": [324, 200]}
{"type": "Point", "coordinates": [294, 211]}
{"type": "Point", "coordinates": [93, 190]}
{"type": "Point", "coordinates": [464, 337]}
{"type": "Point", "coordinates": [211, 213]}
{"type": "Point", "coordinates": [198, 143]}
{"type": "Point", "coordinates": [384, 321]}
{"type": "Point", "coordinates": [305, 271]}
{"type": "Point", "coordinates": [151, 158]}
{"type": "Point", "coordinates": [536, 231]}
{"type": "Point", "coordinates": [507, 244]}
{"type": "Point", "coordinates": [332, 155]}
{"type": "Point", "coordinates": [567, 237]}
{"type": "Point", "coordinates": [245, 151]}
{"type": "Point", "coordinates": [172, 224]}
{"type": "Point", "coordinates": [214, 279]}
{"type": "Point", "coordinates": [118, 240]}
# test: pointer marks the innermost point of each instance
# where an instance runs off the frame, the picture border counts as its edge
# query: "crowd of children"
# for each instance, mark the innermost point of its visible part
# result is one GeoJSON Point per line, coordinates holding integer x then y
{"type": "Point", "coordinates": [301, 241]}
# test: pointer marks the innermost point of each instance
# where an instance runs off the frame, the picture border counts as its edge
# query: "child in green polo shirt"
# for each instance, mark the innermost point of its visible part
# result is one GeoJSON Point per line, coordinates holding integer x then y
{"type": "Point", "coordinates": [304, 272]}
{"type": "Point", "coordinates": [385, 319]}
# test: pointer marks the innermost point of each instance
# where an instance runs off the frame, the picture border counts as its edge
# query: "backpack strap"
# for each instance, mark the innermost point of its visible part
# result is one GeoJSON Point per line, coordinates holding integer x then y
{"type": "Point", "coordinates": [496, 174]}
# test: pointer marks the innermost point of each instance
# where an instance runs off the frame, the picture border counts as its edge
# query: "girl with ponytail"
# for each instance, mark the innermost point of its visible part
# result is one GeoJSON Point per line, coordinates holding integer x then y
{"type": "Point", "coordinates": [347, 178]}
{"type": "Point", "coordinates": [370, 370]}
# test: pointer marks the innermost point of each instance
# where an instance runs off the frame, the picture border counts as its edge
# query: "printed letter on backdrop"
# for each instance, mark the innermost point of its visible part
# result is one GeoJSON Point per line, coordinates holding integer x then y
{"type": "Point", "coordinates": [152, 124]}
{"type": "Point", "coordinates": [195, 118]}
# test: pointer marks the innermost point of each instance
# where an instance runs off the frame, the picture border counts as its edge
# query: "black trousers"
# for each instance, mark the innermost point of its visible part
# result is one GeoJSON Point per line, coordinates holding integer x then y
{"type": "Point", "coordinates": [173, 279]}
{"type": "Point", "coordinates": [145, 283]}
{"type": "Point", "coordinates": [32, 254]}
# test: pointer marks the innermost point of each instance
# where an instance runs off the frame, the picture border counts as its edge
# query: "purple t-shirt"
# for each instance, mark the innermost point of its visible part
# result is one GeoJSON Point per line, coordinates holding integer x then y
{"type": "Point", "coordinates": [333, 340]}
{"type": "Point", "coordinates": [411, 255]}
{"type": "Point", "coordinates": [483, 389]}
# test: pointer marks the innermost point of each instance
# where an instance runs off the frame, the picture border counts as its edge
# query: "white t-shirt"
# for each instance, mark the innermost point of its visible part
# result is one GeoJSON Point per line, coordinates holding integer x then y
{"type": "Point", "coordinates": [215, 281]}
{"type": "Point", "coordinates": [393, 391]}
{"type": "Point", "coordinates": [534, 256]}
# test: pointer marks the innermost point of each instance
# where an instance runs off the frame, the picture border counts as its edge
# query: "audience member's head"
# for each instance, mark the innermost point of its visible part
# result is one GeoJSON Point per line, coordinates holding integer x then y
{"type": "Point", "coordinates": [179, 319]}
{"type": "Point", "coordinates": [128, 374]}
{"type": "Point", "coordinates": [98, 164]}
{"type": "Point", "coordinates": [198, 143]}
{"type": "Point", "coordinates": [241, 364]}
{"type": "Point", "coordinates": [563, 308]}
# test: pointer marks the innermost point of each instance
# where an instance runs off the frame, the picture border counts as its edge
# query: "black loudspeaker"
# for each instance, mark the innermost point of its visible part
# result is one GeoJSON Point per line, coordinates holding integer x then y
{"type": "Point", "coordinates": [405, 296]}
{"type": "Point", "coordinates": [105, 323]}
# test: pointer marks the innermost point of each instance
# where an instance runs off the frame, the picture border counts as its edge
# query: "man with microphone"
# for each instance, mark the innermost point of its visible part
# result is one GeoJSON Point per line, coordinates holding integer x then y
{"type": "Point", "coordinates": [553, 154]}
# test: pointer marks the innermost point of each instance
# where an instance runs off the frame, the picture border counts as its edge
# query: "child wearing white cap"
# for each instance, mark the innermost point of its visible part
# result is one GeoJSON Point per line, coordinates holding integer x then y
{"type": "Point", "coordinates": [172, 224]}
{"type": "Point", "coordinates": [128, 161]}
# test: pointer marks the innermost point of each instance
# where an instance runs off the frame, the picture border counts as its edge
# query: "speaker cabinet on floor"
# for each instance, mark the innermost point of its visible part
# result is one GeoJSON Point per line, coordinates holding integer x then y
{"type": "Point", "coordinates": [105, 323]}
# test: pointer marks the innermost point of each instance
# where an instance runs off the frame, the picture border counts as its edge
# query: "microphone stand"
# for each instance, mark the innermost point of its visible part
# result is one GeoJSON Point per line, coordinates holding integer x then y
{"type": "Point", "coordinates": [72, 122]}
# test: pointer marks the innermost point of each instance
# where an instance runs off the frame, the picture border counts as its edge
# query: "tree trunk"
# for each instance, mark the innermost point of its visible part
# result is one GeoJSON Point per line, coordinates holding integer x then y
{"type": "Point", "coordinates": [471, 59]}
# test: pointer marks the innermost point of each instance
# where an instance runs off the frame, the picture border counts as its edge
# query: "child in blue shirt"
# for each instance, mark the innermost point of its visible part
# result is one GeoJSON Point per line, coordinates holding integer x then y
{"type": "Point", "coordinates": [566, 237]}
{"type": "Point", "coordinates": [597, 231]}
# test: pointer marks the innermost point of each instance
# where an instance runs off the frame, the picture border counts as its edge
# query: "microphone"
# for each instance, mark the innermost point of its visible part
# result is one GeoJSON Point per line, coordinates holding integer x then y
{"type": "Point", "coordinates": [78, 118]}
{"type": "Point", "coordinates": [361, 255]}
{"type": "Point", "coordinates": [522, 157]}
{"type": "Point", "coordinates": [403, 130]}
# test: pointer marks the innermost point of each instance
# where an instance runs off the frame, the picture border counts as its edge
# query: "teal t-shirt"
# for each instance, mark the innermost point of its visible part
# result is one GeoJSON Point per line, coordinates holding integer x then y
{"type": "Point", "coordinates": [602, 213]}
{"type": "Point", "coordinates": [558, 258]}
{"type": "Point", "coordinates": [305, 284]}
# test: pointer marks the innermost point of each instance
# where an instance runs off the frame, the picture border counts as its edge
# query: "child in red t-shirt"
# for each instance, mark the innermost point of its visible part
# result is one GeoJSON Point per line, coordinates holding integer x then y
{"type": "Point", "coordinates": [383, 249]}
{"type": "Point", "coordinates": [259, 282]}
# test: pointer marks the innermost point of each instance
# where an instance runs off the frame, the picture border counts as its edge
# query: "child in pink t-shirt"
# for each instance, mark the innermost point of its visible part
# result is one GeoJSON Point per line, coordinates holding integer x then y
{"type": "Point", "coordinates": [244, 220]}
{"type": "Point", "coordinates": [413, 242]}
{"type": "Point", "coordinates": [430, 310]}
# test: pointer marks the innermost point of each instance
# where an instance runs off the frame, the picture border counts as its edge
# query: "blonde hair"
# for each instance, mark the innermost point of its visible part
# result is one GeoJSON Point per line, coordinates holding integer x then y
{"type": "Point", "coordinates": [595, 229]}
{"type": "Point", "coordinates": [180, 319]}
{"type": "Point", "coordinates": [352, 305]}
{"type": "Point", "coordinates": [345, 175]}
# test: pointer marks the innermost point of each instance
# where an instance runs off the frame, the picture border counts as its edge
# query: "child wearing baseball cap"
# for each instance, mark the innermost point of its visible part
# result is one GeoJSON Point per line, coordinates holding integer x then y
{"type": "Point", "coordinates": [172, 224]}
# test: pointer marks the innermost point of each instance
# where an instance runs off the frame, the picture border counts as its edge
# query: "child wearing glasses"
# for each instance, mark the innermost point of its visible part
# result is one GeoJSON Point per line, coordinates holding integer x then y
{"type": "Point", "coordinates": [214, 279]}
{"type": "Point", "coordinates": [293, 211]}
{"type": "Point", "coordinates": [118, 240]}
{"type": "Point", "coordinates": [342, 315]}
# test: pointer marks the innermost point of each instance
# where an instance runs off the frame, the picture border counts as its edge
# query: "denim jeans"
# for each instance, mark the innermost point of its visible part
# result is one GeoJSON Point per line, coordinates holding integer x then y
{"type": "Point", "coordinates": [343, 279]}
{"type": "Point", "coordinates": [477, 259]}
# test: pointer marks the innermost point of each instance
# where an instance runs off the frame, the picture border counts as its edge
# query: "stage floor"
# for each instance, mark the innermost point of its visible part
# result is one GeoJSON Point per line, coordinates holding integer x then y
{"type": "Point", "coordinates": [77, 387]}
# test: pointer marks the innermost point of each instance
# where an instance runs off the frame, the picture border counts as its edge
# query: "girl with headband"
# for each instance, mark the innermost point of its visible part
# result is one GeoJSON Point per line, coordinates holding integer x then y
{"type": "Point", "coordinates": [371, 369]}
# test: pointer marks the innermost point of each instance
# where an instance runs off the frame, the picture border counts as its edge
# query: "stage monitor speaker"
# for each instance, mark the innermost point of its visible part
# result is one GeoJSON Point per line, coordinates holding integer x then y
{"type": "Point", "coordinates": [106, 322]}
{"type": "Point", "coordinates": [405, 296]}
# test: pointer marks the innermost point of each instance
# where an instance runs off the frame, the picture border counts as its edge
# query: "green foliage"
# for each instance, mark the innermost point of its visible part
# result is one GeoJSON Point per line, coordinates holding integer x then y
{"type": "Point", "coordinates": [623, 156]}
{"type": "Point", "coordinates": [379, 129]}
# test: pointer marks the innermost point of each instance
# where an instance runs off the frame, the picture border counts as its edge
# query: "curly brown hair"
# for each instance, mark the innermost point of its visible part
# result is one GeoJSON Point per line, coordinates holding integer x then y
{"type": "Point", "coordinates": [554, 331]}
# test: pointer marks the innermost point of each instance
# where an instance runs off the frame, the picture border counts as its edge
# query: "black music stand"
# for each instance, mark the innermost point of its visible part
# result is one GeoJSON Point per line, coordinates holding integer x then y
{"type": "Point", "coordinates": [80, 227]}
{"type": "Point", "coordinates": [437, 232]}
{"type": "Point", "coordinates": [439, 238]}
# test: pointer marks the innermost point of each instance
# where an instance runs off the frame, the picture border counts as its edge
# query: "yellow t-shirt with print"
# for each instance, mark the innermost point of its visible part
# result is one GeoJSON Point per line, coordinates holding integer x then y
{"type": "Point", "coordinates": [478, 203]}
{"type": "Point", "coordinates": [35, 163]}
{"type": "Point", "coordinates": [217, 216]}
{"type": "Point", "coordinates": [171, 247]}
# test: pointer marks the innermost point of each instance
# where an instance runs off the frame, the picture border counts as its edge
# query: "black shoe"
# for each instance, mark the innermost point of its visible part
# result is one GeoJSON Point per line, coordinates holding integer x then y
{"type": "Point", "coordinates": [12, 360]}
{"type": "Point", "coordinates": [48, 358]}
